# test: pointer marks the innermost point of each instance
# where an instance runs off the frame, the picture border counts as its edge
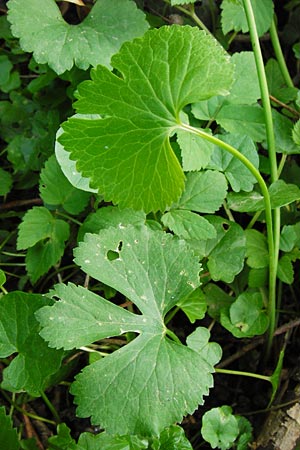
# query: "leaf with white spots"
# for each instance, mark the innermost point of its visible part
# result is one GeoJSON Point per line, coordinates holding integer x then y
{"type": "Point", "coordinates": [153, 381]}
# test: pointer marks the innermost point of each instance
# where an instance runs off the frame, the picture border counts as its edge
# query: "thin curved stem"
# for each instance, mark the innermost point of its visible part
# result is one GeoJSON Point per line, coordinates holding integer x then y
{"type": "Point", "coordinates": [273, 164]}
{"type": "Point", "coordinates": [268, 214]}
{"type": "Point", "coordinates": [244, 374]}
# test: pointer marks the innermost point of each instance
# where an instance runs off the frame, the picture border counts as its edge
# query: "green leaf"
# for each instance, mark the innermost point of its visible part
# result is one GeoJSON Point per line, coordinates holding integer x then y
{"type": "Point", "coordinates": [198, 341]}
{"type": "Point", "coordinates": [194, 305]}
{"type": "Point", "coordinates": [45, 237]}
{"type": "Point", "coordinates": [43, 31]}
{"type": "Point", "coordinates": [56, 190]}
{"type": "Point", "coordinates": [172, 438]}
{"type": "Point", "coordinates": [258, 278]}
{"type": "Point", "coordinates": [104, 441]}
{"type": "Point", "coordinates": [188, 225]}
{"type": "Point", "coordinates": [233, 16]}
{"type": "Point", "coordinates": [204, 192]}
{"type": "Point", "coordinates": [2, 278]}
{"type": "Point", "coordinates": [281, 194]}
{"type": "Point", "coordinates": [110, 216]}
{"type": "Point", "coordinates": [276, 83]}
{"type": "Point", "coordinates": [8, 435]}
{"type": "Point", "coordinates": [245, 317]}
{"type": "Point", "coordinates": [246, 120]}
{"type": "Point", "coordinates": [5, 68]}
{"type": "Point", "coordinates": [245, 433]}
{"type": "Point", "coordinates": [37, 224]}
{"type": "Point", "coordinates": [63, 439]}
{"type": "Point", "coordinates": [296, 132]}
{"type": "Point", "coordinates": [216, 300]}
{"type": "Point", "coordinates": [245, 89]}
{"type": "Point", "coordinates": [220, 427]}
{"type": "Point", "coordinates": [181, 2]}
{"type": "Point", "coordinates": [36, 362]}
{"type": "Point", "coordinates": [283, 129]}
{"type": "Point", "coordinates": [226, 252]}
{"type": "Point", "coordinates": [195, 151]}
{"type": "Point", "coordinates": [289, 237]}
{"type": "Point", "coordinates": [155, 380]}
{"type": "Point", "coordinates": [5, 182]}
{"type": "Point", "coordinates": [68, 166]}
{"type": "Point", "coordinates": [285, 271]}
{"type": "Point", "coordinates": [256, 249]}
{"type": "Point", "coordinates": [239, 176]}
{"type": "Point", "coordinates": [208, 109]}
{"type": "Point", "coordinates": [127, 154]}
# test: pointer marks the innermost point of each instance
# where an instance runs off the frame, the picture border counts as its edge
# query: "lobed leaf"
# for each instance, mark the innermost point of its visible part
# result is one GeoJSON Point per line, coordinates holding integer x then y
{"type": "Point", "coordinates": [153, 381]}
{"type": "Point", "coordinates": [127, 154]}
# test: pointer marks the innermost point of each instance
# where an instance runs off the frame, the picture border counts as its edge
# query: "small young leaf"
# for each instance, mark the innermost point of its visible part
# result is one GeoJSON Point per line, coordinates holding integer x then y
{"type": "Point", "coordinates": [127, 154]}
{"type": "Point", "coordinates": [220, 427]}
{"type": "Point", "coordinates": [155, 380]}
{"type": "Point", "coordinates": [246, 317]}
{"type": "Point", "coordinates": [188, 225]}
{"type": "Point", "coordinates": [226, 252]}
{"type": "Point", "coordinates": [234, 18]}
{"type": "Point", "coordinates": [43, 31]}
{"type": "Point", "coordinates": [245, 433]}
{"type": "Point", "coordinates": [8, 435]}
{"type": "Point", "coordinates": [204, 192]}
{"type": "Point", "coordinates": [198, 341]}
{"type": "Point", "coordinates": [5, 68]}
{"type": "Point", "coordinates": [36, 362]}
{"type": "Point", "coordinates": [44, 236]}
{"type": "Point", "coordinates": [56, 190]}
{"type": "Point", "coordinates": [239, 176]}
{"type": "Point", "coordinates": [194, 305]}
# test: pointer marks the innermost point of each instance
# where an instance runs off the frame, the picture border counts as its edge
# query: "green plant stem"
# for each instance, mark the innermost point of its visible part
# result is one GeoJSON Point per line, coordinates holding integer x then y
{"type": "Point", "coordinates": [172, 336]}
{"type": "Point", "coordinates": [273, 165]}
{"type": "Point", "coordinates": [3, 290]}
{"type": "Point", "coordinates": [50, 407]}
{"type": "Point", "coordinates": [279, 55]}
{"type": "Point", "coordinates": [252, 169]}
{"type": "Point", "coordinates": [244, 374]}
{"type": "Point", "coordinates": [66, 216]}
{"type": "Point", "coordinates": [26, 413]}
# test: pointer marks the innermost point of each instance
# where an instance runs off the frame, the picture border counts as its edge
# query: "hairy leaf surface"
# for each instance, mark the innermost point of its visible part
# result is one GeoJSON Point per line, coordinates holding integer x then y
{"type": "Point", "coordinates": [153, 381]}
{"type": "Point", "coordinates": [127, 154]}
